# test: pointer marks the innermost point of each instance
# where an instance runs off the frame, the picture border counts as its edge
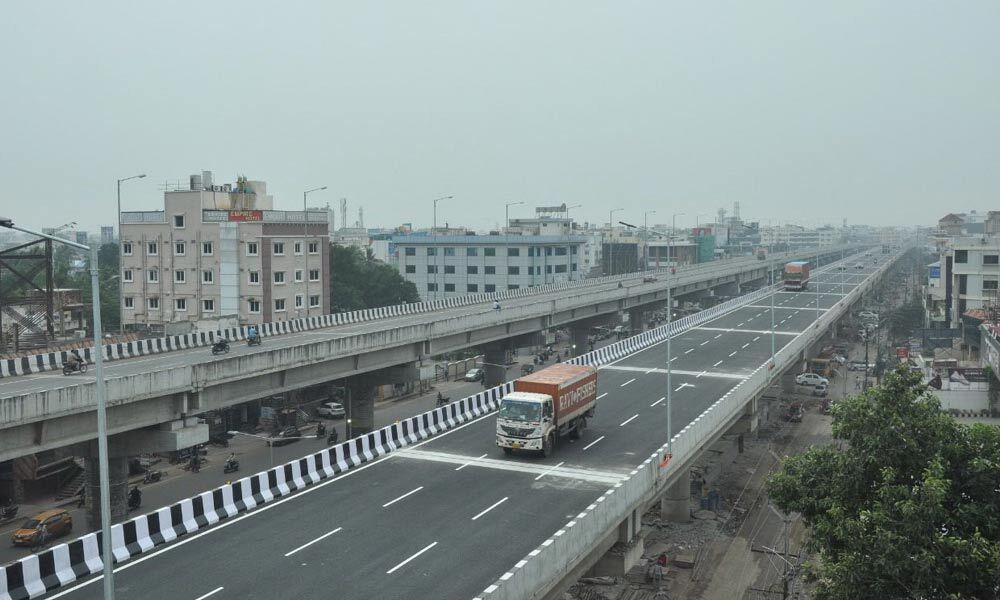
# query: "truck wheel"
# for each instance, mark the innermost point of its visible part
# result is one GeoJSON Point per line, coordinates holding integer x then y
{"type": "Point", "coordinates": [578, 427]}
{"type": "Point", "coordinates": [508, 451]}
{"type": "Point", "coordinates": [547, 446]}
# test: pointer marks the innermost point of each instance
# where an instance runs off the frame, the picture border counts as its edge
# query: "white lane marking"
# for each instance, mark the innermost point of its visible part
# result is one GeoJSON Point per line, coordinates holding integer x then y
{"type": "Point", "coordinates": [717, 364]}
{"type": "Point", "coordinates": [740, 325]}
{"type": "Point", "coordinates": [683, 385]}
{"type": "Point", "coordinates": [514, 466]}
{"type": "Point", "coordinates": [674, 358]}
{"type": "Point", "coordinates": [627, 382]}
{"type": "Point", "coordinates": [689, 351]}
{"type": "Point", "coordinates": [717, 337]}
{"type": "Point", "coordinates": [602, 395]}
{"type": "Point", "coordinates": [792, 333]}
{"type": "Point", "coordinates": [460, 467]}
{"type": "Point", "coordinates": [391, 502]}
{"type": "Point", "coordinates": [650, 371]}
{"type": "Point", "coordinates": [739, 376]}
{"type": "Point", "coordinates": [426, 548]}
{"type": "Point", "coordinates": [756, 338]}
{"type": "Point", "coordinates": [700, 374]}
{"type": "Point", "coordinates": [745, 345]}
{"type": "Point", "coordinates": [307, 544]}
{"type": "Point", "coordinates": [657, 402]}
{"type": "Point", "coordinates": [215, 591]}
{"type": "Point", "coordinates": [587, 447]}
{"type": "Point", "coordinates": [491, 508]}
{"type": "Point", "coordinates": [732, 354]}
{"type": "Point", "coordinates": [547, 471]}
{"type": "Point", "coordinates": [705, 342]}
{"type": "Point", "coordinates": [628, 420]}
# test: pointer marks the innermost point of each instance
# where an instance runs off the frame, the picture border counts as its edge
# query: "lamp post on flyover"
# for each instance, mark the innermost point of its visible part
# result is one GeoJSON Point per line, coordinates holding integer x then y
{"type": "Point", "coordinates": [817, 287]}
{"type": "Point", "coordinates": [611, 230]}
{"type": "Point", "coordinates": [645, 238]}
{"type": "Point", "coordinates": [670, 407]}
{"type": "Point", "coordinates": [506, 239]}
{"type": "Point", "coordinates": [305, 235]}
{"type": "Point", "coordinates": [121, 293]}
{"type": "Point", "coordinates": [102, 426]}
{"type": "Point", "coordinates": [433, 229]}
{"type": "Point", "coordinates": [770, 272]}
{"type": "Point", "coordinates": [673, 232]}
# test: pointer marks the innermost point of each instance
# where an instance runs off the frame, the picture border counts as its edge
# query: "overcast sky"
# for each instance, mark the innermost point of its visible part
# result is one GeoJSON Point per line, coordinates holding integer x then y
{"type": "Point", "coordinates": [806, 112]}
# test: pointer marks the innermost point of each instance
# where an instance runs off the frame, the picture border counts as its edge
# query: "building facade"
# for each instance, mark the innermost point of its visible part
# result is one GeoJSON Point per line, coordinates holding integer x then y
{"type": "Point", "coordinates": [445, 266]}
{"type": "Point", "coordinates": [222, 254]}
{"type": "Point", "coordinates": [970, 274]}
{"type": "Point", "coordinates": [794, 236]}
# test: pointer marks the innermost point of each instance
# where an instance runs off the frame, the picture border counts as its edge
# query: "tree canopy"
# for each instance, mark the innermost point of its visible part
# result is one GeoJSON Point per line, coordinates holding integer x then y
{"type": "Point", "coordinates": [358, 281]}
{"type": "Point", "coordinates": [65, 276]}
{"type": "Point", "coordinates": [908, 508]}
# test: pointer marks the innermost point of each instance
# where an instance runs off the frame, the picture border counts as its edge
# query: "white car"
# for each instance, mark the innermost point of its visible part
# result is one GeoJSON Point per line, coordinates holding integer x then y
{"type": "Point", "coordinates": [331, 410]}
{"type": "Point", "coordinates": [867, 315]}
{"type": "Point", "coordinates": [811, 379]}
{"type": "Point", "coordinates": [474, 374]}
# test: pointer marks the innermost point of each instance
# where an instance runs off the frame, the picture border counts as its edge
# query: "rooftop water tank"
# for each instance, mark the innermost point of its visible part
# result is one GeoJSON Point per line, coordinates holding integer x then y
{"type": "Point", "coordinates": [196, 183]}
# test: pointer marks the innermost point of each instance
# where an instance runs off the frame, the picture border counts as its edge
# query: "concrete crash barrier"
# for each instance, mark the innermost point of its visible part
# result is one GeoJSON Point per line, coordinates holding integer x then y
{"type": "Point", "coordinates": [63, 564]}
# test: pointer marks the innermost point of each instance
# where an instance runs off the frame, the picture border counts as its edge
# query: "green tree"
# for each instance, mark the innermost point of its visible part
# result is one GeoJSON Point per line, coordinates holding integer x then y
{"type": "Point", "coordinates": [909, 508]}
{"type": "Point", "coordinates": [66, 275]}
{"type": "Point", "coordinates": [358, 281]}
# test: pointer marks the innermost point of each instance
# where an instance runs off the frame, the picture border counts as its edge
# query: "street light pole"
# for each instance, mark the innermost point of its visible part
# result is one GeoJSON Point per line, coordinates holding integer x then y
{"type": "Point", "coordinates": [433, 230]}
{"type": "Point", "coordinates": [102, 425]}
{"type": "Point", "coordinates": [305, 235]}
{"type": "Point", "coordinates": [670, 407]}
{"type": "Point", "coordinates": [121, 292]}
{"type": "Point", "coordinates": [611, 230]}
{"type": "Point", "coordinates": [673, 232]}
{"type": "Point", "coordinates": [645, 239]}
{"type": "Point", "coordinates": [506, 239]}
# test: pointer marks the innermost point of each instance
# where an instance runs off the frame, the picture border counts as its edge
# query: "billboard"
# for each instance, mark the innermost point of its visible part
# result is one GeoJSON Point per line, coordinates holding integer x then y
{"type": "Point", "coordinates": [246, 215]}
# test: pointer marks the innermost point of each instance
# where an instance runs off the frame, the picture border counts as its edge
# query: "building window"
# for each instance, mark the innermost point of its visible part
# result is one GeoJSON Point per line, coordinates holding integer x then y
{"type": "Point", "coordinates": [990, 285]}
{"type": "Point", "coordinates": [253, 277]}
{"type": "Point", "coordinates": [548, 251]}
{"type": "Point", "coordinates": [991, 259]}
{"type": "Point", "coordinates": [432, 287]}
{"type": "Point", "coordinates": [180, 276]}
{"type": "Point", "coordinates": [208, 277]}
{"type": "Point", "coordinates": [298, 275]}
{"type": "Point", "coordinates": [410, 251]}
{"type": "Point", "coordinates": [279, 305]}
{"type": "Point", "coordinates": [472, 270]}
{"type": "Point", "coordinates": [432, 269]}
{"type": "Point", "coordinates": [574, 266]}
{"type": "Point", "coordinates": [152, 249]}
{"type": "Point", "coordinates": [129, 303]}
{"type": "Point", "coordinates": [513, 270]}
{"type": "Point", "coordinates": [279, 277]}
{"type": "Point", "coordinates": [411, 268]}
{"type": "Point", "coordinates": [560, 268]}
{"type": "Point", "coordinates": [573, 250]}
{"type": "Point", "coordinates": [253, 306]}
{"type": "Point", "coordinates": [449, 251]}
{"type": "Point", "coordinates": [127, 275]}
{"type": "Point", "coordinates": [179, 221]}
{"type": "Point", "coordinates": [153, 303]}
{"type": "Point", "coordinates": [180, 304]}
{"type": "Point", "coordinates": [313, 274]}
{"type": "Point", "coordinates": [531, 251]}
{"type": "Point", "coordinates": [179, 248]}
{"type": "Point", "coordinates": [561, 251]}
{"type": "Point", "coordinates": [472, 251]}
{"type": "Point", "coordinates": [472, 288]}
{"type": "Point", "coordinates": [449, 269]}
{"type": "Point", "coordinates": [208, 306]}
{"type": "Point", "coordinates": [488, 270]}
{"type": "Point", "coordinates": [278, 248]}
{"type": "Point", "coordinates": [313, 247]}
{"type": "Point", "coordinates": [548, 269]}
{"type": "Point", "coordinates": [207, 249]}
{"type": "Point", "coordinates": [489, 251]}
{"type": "Point", "coordinates": [961, 256]}
{"type": "Point", "coordinates": [513, 286]}
{"type": "Point", "coordinates": [489, 288]}
{"type": "Point", "coordinates": [449, 287]}
{"type": "Point", "coordinates": [431, 251]}
{"type": "Point", "coordinates": [252, 249]}
{"type": "Point", "coordinates": [299, 298]}
{"type": "Point", "coordinates": [297, 248]}
{"type": "Point", "coordinates": [314, 301]}
{"type": "Point", "coordinates": [126, 248]}
{"type": "Point", "coordinates": [513, 252]}
{"type": "Point", "coordinates": [152, 276]}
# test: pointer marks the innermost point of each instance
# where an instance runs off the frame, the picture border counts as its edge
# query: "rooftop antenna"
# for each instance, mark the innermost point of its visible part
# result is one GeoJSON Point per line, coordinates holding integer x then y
{"type": "Point", "coordinates": [343, 212]}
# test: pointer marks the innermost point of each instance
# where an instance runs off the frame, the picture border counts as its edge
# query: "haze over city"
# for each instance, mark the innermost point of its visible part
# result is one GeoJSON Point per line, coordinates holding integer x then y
{"type": "Point", "coordinates": [803, 112]}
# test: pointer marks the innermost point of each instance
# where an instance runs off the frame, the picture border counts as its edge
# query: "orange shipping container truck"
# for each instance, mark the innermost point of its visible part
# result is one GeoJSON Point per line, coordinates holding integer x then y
{"type": "Point", "coordinates": [553, 402]}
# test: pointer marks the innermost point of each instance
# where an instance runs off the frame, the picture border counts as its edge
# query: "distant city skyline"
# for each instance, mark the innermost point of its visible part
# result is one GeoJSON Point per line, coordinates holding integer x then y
{"type": "Point", "coordinates": [803, 112]}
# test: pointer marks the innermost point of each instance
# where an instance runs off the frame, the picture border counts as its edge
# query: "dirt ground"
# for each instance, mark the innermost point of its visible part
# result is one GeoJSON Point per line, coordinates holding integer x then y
{"type": "Point", "coordinates": [737, 551]}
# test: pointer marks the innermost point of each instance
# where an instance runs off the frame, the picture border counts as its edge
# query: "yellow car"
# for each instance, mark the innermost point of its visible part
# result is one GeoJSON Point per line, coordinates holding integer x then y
{"type": "Point", "coordinates": [57, 522]}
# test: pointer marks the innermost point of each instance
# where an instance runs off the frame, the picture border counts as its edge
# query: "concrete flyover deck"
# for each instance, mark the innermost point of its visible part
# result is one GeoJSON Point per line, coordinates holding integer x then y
{"type": "Point", "coordinates": [48, 410]}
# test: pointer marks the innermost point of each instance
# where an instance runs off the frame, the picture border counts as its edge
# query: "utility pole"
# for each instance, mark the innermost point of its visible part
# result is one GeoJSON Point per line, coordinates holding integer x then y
{"type": "Point", "coordinates": [670, 423]}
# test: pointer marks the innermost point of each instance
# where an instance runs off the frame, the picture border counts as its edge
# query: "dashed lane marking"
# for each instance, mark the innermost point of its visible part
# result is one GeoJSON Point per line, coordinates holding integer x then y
{"type": "Point", "coordinates": [580, 473]}
{"type": "Point", "coordinates": [680, 372]}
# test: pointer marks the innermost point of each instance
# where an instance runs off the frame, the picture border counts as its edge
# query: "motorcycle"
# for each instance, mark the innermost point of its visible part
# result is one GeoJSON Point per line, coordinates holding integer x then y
{"type": "Point", "coordinates": [443, 400]}
{"type": "Point", "coordinates": [231, 466]}
{"type": "Point", "coordinates": [220, 347]}
{"type": "Point", "coordinates": [320, 430]}
{"type": "Point", "coordinates": [134, 499]}
{"type": "Point", "coordinates": [152, 476]}
{"type": "Point", "coordinates": [69, 368]}
{"type": "Point", "coordinates": [332, 438]}
{"type": "Point", "coordinates": [8, 513]}
{"type": "Point", "coordinates": [254, 341]}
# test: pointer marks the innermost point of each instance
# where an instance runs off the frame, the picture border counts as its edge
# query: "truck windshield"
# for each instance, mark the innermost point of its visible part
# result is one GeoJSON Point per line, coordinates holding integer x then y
{"type": "Point", "coordinates": [517, 410]}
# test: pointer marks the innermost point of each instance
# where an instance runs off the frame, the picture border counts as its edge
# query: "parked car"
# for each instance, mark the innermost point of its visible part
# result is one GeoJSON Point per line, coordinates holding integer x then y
{"type": "Point", "coordinates": [331, 410]}
{"type": "Point", "coordinates": [794, 413]}
{"type": "Point", "coordinates": [811, 379]}
{"type": "Point", "coordinates": [57, 522]}
{"type": "Point", "coordinates": [858, 366]}
{"type": "Point", "coordinates": [821, 390]}
{"type": "Point", "coordinates": [474, 374]}
{"type": "Point", "coordinates": [867, 315]}
{"type": "Point", "coordinates": [285, 436]}
{"type": "Point", "coordinates": [649, 279]}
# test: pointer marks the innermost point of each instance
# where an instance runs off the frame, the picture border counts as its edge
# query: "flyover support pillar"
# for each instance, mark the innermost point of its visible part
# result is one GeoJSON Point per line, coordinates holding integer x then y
{"type": "Point", "coordinates": [361, 404]}
{"type": "Point", "coordinates": [675, 505]}
{"type": "Point", "coordinates": [495, 363]}
{"type": "Point", "coordinates": [636, 320]}
{"type": "Point", "coordinates": [118, 479]}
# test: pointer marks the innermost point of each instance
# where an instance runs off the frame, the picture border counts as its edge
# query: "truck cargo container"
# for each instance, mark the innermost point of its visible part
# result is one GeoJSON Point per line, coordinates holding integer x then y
{"type": "Point", "coordinates": [797, 275]}
{"type": "Point", "coordinates": [555, 401]}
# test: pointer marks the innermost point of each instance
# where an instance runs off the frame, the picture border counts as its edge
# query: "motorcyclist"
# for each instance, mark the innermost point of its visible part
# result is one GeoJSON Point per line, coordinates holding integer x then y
{"type": "Point", "coordinates": [74, 360]}
{"type": "Point", "coordinates": [231, 458]}
{"type": "Point", "coordinates": [320, 430]}
{"type": "Point", "coordinates": [252, 334]}
{"type": "Point", "coordinates": [135, 497]}
{"type": "Point", "coordinates": [496, 305]}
